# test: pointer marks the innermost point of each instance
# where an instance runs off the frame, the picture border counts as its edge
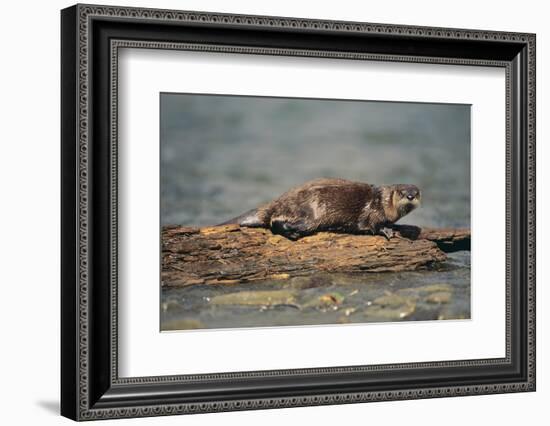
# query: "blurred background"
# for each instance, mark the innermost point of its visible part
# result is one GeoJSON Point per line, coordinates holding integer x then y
{"type": "Point", "coordinates": [223, 155]}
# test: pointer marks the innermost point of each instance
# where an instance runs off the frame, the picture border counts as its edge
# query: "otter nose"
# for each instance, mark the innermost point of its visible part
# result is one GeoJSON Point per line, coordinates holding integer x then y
{"type": "Point", "coordinates": [410, 197]}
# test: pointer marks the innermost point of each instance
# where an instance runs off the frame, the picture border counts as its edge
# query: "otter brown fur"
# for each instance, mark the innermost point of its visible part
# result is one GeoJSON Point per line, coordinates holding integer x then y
{"type": "Point", "coordinates": [336, 205]}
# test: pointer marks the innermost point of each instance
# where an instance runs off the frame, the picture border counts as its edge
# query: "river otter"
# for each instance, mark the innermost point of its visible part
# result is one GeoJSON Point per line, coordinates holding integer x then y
{"type": "Point", "coordinates": [331, 204]}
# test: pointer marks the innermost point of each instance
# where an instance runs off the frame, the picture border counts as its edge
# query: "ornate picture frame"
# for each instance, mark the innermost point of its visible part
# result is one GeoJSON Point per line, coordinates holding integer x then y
{"type": "Point", "coordinates": [91, 37]}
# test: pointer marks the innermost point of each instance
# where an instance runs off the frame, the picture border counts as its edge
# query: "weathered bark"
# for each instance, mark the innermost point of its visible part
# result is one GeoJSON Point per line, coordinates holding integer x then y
{"type": "Point", "coordinates": [231, 254]}
{"type": "Point", "coordinates": [447, 239]}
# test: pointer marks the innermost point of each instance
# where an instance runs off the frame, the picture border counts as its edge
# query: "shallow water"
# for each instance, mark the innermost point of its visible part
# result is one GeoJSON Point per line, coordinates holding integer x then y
{"type": "Point", "coordinates": [221, 156]}
{"type": "Point", "coordinates": [324, 299]}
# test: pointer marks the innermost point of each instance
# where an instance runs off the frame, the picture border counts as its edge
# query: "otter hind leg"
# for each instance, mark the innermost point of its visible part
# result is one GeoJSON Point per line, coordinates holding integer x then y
{"type": "Point", "coordinates": [290, 230]}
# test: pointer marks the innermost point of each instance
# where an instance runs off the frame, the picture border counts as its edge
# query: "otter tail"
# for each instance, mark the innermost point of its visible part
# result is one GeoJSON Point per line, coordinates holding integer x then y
{"type": "Point", "coordinates": [249, 219]}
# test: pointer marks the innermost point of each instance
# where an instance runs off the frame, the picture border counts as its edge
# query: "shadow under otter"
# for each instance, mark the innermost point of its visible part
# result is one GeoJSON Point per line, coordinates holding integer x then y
{"type": "Point", "coordinates": [335, 205]}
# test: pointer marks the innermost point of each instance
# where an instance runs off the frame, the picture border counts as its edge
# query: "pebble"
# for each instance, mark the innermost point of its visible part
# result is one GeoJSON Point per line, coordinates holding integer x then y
{"type": "Point", "coordinates": [261, 298]}
{"type": "Point", "coordinates": [391, 307]}
{"type": "Point", "coordinates": [390, 300]}
{"type": "Point", "coordinates": [170, 304]}
{"type": "Point", "coordinates": [439, 297]}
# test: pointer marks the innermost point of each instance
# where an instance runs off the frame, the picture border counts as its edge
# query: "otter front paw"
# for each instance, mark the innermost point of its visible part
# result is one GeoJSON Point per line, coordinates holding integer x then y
{"type": "Point", "coordinates": [386, 232]}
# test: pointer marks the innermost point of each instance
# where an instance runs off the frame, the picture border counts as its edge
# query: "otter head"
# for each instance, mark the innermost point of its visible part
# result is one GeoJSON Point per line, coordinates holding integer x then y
{"type": "Point", "coordinates": [405, 198]}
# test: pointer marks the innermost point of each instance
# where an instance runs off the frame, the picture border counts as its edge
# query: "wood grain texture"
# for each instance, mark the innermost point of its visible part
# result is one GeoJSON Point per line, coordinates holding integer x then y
{"type": "Point", "coordinates": [230, 254]}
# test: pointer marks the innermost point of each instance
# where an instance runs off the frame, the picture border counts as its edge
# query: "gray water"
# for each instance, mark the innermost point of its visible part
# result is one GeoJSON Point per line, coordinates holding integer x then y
{"type": "Point", "coordinates": [223, 155]}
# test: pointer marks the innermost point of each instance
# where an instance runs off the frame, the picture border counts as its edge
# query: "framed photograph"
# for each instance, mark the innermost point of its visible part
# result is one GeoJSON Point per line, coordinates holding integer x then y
{"type": "Point", "coordinates": [263, 212]}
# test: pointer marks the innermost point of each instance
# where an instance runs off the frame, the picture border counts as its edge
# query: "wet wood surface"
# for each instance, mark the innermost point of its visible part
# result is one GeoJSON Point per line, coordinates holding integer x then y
{"type": "Point", "coordinates": [230, 254]}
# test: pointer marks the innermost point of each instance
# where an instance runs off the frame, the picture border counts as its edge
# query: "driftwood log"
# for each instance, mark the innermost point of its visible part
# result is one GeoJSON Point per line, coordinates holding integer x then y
{"type": "Point", "coordinates": [231, 254]}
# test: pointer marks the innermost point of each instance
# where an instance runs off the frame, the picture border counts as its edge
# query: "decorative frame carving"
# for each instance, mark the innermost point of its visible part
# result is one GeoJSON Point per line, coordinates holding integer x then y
{"type": "Point", "coordinates": [91, 388]}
